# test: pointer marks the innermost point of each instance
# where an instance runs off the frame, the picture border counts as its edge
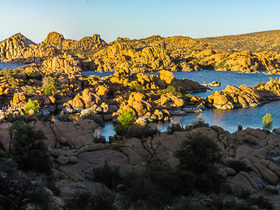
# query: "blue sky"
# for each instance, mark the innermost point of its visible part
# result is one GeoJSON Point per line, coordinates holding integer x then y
{"type": "Point", "coordinates": [136, 18]}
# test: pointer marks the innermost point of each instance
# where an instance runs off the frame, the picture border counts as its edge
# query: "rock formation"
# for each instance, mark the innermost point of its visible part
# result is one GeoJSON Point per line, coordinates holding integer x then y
{"type": "Point", "coordinates": [234, 97]}
{"type": "Point", "coordinates": [20, 49]}
{"type": "Point", "coordinates": [85, 45]}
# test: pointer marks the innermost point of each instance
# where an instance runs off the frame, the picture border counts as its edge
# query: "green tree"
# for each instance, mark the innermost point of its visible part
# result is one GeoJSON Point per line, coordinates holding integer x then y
{"type": "Point", "coordinates": [267, 121]}
{"type": "Point", "coordinates": [137, 88]}
{"type": "Point", "coordinates": [31, 105]}
{"type": "Point", "coordinates": [198, 157]}
{"type": "Point", "coordinates": [50, 85]}
{"type": "Point", "coordinates": [19, 191]}
{"type": "Point", "coordinates": [126, 118]}
{"type": "Point", "coordinates": [28, 148]}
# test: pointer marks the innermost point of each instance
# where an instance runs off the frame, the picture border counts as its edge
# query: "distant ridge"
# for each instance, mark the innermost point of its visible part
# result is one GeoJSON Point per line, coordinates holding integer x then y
{"type": "Point", "coordinates": [19, 39]}
{"type": "Point", "coordinates": [254, 42]}
{"type": "Point", "coordinates": [251, 52]}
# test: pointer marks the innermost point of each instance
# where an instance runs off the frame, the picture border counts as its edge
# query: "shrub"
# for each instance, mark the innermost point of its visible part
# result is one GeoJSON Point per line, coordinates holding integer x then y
{"type": "Point", "coordinates": [9, 74]}
{"type": "Point", "coordinates": [186, 203]}
{"type": "Point", "coordinates": [199, 122]}
{"type": "Point", "coordinates": [49, 179]}
{"type": "Point", "coordinates": [19, 191]}
{"type": "Point", "coordinates": [238, 166]}
{"type": "Point", "coordinates": [198, 157]}
{"type": "Point", "coordinates": [64, 118]}
{"type": "Point", "coordinates": [126, 118]}
{"type": "Point", "coordinates": [44, 117]}
{"type": "Point", "coordinates": [107, 175]}
{"type": "Point", "coordinates": [137, 88]}
{"type": "Point", "coordinates": [174, 127]}
{"type": "Point", "coordinates": [29, 150]}
{"type": "Point", "coordinates": [171, 89]}
{"type": "Point", "coordinates": [23, 118]}
{"type": "Point", "coordinates": [137, 131]}
{"type": "Point", "coordinates": [188, 97]}
{"type": "Point", "coordinates": [263, 203]}
{"type": "Point", "coordinates": [151, 187]}
{"type": "Point", "coordinates": [245, 194]}
{"type": "Point", "coordinates": [29, 75]}
{"type": "Point", "coordinates": [99, 139]}
{"type": "Point", "coordinates": [91, 116]}
{"type": "Point", "coordinates": [50, 84]}
{"type": "Point", "coordinates": [101, 200]}
{"type": "Point", "coordinates": [259, 85]}
{"type": "Point", "coordinates": [267, 121]}
{"type": "Point", "coordinates": [31, 105]}
{"type": "Point", "coordinates": [29, 91]}
{"type": "Point", "coordinates": [48, 90]}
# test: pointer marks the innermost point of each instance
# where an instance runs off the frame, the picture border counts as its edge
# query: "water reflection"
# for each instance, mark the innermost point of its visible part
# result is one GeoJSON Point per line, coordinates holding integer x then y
{"type": "Point", "coordinates": [228, 119]}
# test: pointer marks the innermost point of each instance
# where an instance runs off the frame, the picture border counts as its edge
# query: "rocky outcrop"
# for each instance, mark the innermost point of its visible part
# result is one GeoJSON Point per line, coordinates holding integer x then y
{"type": "Point", "coordinates": [243, 96]}
{"type": "Point", "coordinates": [234, 97]}
{"type": "Point", "coordinates": [212, 84]}
{"type": "Point", "coordinates": [63, 64]}
{"type": "Point", "coordinates": [269, 90]}
{"type": "Point", "coordinates": [58, 134]}
{"type": "Point", "coordinates": [20, 49]}
{"type": "Point", "coordinates": [84, 45]}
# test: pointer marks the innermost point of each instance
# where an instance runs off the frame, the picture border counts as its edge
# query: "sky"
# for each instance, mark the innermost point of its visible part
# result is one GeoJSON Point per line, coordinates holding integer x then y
{"type": "Point", "coordinates": [136, 19]}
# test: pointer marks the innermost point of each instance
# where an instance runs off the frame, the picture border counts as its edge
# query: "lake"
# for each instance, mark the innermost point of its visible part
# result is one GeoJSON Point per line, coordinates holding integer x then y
{"type": "Point", "coordinates": [10, 65]}
{"type": "Point", "coordinates": [227, 119]}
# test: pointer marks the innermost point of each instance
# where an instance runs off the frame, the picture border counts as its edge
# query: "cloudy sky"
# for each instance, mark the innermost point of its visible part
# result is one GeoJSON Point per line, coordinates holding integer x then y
{"type": "Point", "coordinates": [136, 18]}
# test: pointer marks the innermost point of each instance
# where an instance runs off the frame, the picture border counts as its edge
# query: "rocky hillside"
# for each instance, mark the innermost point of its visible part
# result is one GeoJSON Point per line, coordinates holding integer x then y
{"type": "Point", "coordinates": [246, 166]}
{"type": "Point", "coordinates": [18, 48]}
{"type": "Point", "coordinates": [247, 53]}
{"type": "Point", "coordinates": [254, 42]}
{"type": "Point", "coordinates": [87, 45]}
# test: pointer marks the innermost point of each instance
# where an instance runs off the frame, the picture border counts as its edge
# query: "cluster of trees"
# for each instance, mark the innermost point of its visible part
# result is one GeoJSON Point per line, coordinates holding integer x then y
{"type": "Point", "coordinates": [24, 169]}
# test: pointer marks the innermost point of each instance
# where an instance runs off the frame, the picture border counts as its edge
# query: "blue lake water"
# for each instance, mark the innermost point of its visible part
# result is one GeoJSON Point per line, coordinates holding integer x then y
{"type": "Point", "coordinates": [228, 119]}
{"type": "Point", "coordinates": [10, 65]}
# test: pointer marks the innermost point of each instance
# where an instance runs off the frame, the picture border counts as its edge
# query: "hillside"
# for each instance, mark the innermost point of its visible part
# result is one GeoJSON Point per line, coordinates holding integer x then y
{"type": "Point", "coordinates": [87, 45]}
{"type": "Point", "coordinates": [20, 49]}
{"type": "Point", "coordinates": [252, 52]}
{"type": "Point", "coordinates": [254, 42]}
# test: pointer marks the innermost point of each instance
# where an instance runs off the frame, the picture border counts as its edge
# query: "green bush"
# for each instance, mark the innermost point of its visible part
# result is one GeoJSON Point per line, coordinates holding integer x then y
{"type": "Point", "coordinates": [126, 118]}
{"type": "Point", "coordinates": [198, 157]}
{"type": "Point", "coordinates": [267, 122]}
{"type": "Point", "coordinates": [137, 88]}
{"type": "Point", "coordinates": [171, 89]}
{"type": "Point", "coordinates": [199, 122]}
{"type": "Point", "coordinates": [31, 105]}
{"type": "Point", "coordinates": [29, 91]}
{"type": "Point", "coordinates": [137, 131]}
{"type": "Point", "coordinates": [19, 191]}
{"type": "Point", "coordinates": [65, 118]}
{"type": "Point", "coordinates": [188, 97]}
{"type": "Point", "coordinates": [29, 150]}
{"type": "Point", "coordinates": [107, 175]}
{"type": "Point", "coordinates": [152, 187]}
{"type": "Point", "coordinates": [9, 74]}
{"type": "Point", "coordinates": [29, 75]}
{"type": "Point", "coordinates": [101, 200]}
{"type": "Point", "coordinates": [174, 127]}
{"type": "Point", "coordinates": [50, 85]}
